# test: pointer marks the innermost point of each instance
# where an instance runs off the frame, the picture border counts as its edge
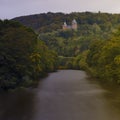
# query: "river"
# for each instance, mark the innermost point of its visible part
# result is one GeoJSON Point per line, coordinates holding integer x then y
{"type": "Point", "coordinates": [63, 95]}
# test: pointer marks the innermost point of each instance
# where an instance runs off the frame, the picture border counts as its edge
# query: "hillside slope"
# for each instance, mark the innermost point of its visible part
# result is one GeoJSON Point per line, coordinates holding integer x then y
{"type": "Point", "coordinates": [47, 22]}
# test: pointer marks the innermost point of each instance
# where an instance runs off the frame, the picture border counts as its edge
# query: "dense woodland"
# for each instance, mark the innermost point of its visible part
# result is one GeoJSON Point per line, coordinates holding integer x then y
{"type": "Point", "coordinates": [91, 27]}
{"type": "Point", "coordinates": [27, 54]}
{"type": "Point", "coordinates": [94, 47]}
{"type": "Point", "coordinates": [23, 57]}
{"type": "Point", "coordinates": [48, 22]}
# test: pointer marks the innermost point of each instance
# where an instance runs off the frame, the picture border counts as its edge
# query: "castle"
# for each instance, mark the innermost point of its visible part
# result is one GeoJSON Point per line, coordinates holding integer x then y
{"type": "Point", "coordinates": [73, 26]}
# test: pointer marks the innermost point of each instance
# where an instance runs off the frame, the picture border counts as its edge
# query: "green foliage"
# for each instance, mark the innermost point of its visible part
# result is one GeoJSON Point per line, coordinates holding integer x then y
{"type": "Point", "coordinates": [93, 47]}
{"type": "Point", "coordinates": [67, 43]}
{"type": "Point", "coordinates": [53, 21]}
{"type": "Point", "coordinates": [23, 58]}
{"type": "Point", "coordinates": [65, 62]}
{"type": "Point", "coordinates": [91, 27]}
{"type": "Point", "coordinates": [80, 61]}
{"type": "Point", "coordinates": [103, 58]}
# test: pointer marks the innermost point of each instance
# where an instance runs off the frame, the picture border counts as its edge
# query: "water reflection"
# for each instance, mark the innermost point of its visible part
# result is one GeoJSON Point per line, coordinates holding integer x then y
{"type": "Point", "coordinates": [111, 97]}
{"type": "Point", "coordinates": [17, 105]}
{"type": "Point", "coordinates": [68, 95]}
{"type": "Point", "coordinates": [64, 95]}
{"type": "Point", "coordinates": [113, 100]}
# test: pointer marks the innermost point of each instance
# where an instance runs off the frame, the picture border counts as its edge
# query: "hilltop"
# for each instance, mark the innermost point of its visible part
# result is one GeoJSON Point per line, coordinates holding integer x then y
{"type": "Point", "coordinates": [90, 27]}
{"type": "Point", "coordinates": [47, 22]}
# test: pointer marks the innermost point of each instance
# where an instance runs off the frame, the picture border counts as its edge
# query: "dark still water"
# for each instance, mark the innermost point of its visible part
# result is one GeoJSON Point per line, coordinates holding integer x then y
{"type": "Point", "coordinates": [64, 95]}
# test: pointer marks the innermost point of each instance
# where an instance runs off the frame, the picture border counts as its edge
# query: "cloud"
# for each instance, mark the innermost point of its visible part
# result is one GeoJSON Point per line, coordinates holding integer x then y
{"type": "Point", "coordinates": [13, 8]}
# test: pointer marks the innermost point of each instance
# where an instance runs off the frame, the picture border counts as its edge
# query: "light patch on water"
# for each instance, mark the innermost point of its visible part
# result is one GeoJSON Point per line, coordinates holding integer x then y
{"type": "Point", "coordinates": [90, 92]}
{"type": "Point", "coordinates": [58, 93]}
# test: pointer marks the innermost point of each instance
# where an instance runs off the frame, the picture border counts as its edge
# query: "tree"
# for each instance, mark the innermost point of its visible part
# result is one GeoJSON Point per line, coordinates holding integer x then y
{"type": "Point", "coordinates": [21, 56]}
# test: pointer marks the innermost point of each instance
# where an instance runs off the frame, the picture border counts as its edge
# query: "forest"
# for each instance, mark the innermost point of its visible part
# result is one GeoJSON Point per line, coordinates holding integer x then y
{"type": "Point", "coordinates": [48, 22]}
{"type": "Point", "coordinates": [31, 46]}
{"type": "Point", "coordinates": [94, 47]}
{"type": "Point", "coordinates": [24, 58]}
{"type": "Point", "coordinates": [91, 27]}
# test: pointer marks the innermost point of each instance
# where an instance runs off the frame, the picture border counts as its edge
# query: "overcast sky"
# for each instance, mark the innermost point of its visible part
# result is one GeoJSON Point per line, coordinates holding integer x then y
{"type": "Point", "coordinates": [13, 8]}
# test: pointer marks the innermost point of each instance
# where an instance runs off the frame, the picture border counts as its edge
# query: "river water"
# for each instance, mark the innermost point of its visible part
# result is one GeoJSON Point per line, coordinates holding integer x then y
{"type": "Point", "coordinates": [63, 95]}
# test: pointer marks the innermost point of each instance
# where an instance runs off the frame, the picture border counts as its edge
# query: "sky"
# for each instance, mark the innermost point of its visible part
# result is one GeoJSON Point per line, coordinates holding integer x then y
{"type": "Point", "coordinates": [14, 8]}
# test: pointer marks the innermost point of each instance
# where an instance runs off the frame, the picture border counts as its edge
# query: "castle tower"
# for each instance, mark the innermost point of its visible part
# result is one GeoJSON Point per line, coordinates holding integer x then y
{"type": "Point", "coordinates": [64, 26]}
{"type": "Point", "coordinates": [74, 24]}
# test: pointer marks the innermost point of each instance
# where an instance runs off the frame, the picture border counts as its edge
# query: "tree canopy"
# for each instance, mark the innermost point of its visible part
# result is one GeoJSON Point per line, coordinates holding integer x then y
{"type": "Point", "coordinates": [23, 57]}
{"type": "Point", "coordinates": [93, 47]}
